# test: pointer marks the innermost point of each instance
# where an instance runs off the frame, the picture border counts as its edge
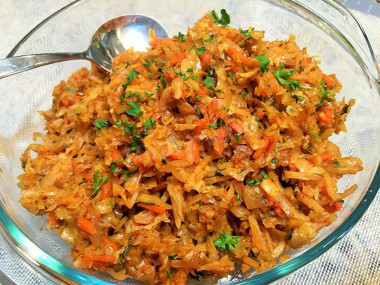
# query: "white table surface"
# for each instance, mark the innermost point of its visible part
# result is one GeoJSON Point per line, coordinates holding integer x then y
{"type": "Point", "coordinates": [353, 260]}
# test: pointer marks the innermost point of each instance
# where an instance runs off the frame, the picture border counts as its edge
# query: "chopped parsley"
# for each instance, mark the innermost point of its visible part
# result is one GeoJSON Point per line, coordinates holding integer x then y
{"type": "Point", "coordinates": [135, 110]}
{"type": "Point", "coordinates": [99, 181]}
{"type": "Point", "coordinates": [314, 133]}
{"type": "Point", "coordinates": [132, 74]}
{"type": "Point", "coordinates": [264, 62]}
{"type": "Point", "coordinates": [325, 95]}
{"type": "Point", "coordinates": [243, 94]}
{"type": "Point", "coordinates": [163, 81]}
{"type": "Point", "coordinates": [220, 122]}
{"type": "Point", "coordinates": [237, 137]}
{"type": "Point", "coordinates": [253, 182]}
{"type": "Point", "coordinates": [265, 176]}
{"type": "Point", "coordinates": [190, 69]}
{"type": "Point", "coordinates": [118, 123]}
{"type": "Point", "coordinates": [122, 97]}
{"type": "Point", "coordinates": [201, 50]}
{"type": "Point", "coordinates": [232, 76]}
{"type": "Point", "coordinates": [198, 111]}
{"type": "Point", "coordinates": [208, 82]}
{"type": "Point", "coordinates": [147, 62]}
{"type": "Point", "coordinates": [177, 71]}
{"type": "Point", "coordinates": [227, 109]}
{"type": "Point", "coordinates": [281, 74]}
{"type": "Point", "coordinates": [128, 174]}
{"type": "Point", "coordinates": [148, 95]}
{"type": "Point", "coordinates": [209, 39]}
{"type": "Point", "coordinates": [238, 197]}
{"type": "Point", "coordinates": [246, 33]}
{"type": "Point", "coordinates": [150, 123]}
{"type": "Point", "coordinates": [181, 37]}
{"type": "Point", "coordinates": [227, 241]}
{"type": "Point", "coordinates": [111, 204]}
{"type": "Point", "coordinates": [336, 163]}
{"type": "Point", "coordinates": [169, 273]}
{"type": "Point", "coordinates": [289, 235]}
{"type": "Point", "coordinates": [101, 124]}
{"type": "Point", "coordinates": [212, 126]}
{"type": "Point", "coordinates": [224, 20]}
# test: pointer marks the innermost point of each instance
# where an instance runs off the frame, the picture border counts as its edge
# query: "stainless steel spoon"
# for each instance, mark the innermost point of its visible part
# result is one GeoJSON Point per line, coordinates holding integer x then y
{"type": "Point", "coordinates": [111, 39]}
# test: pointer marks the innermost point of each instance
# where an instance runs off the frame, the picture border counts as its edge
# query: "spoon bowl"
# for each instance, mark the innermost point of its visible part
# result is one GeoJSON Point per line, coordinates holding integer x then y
{"type": "Point", "coordinates": [110, 39]}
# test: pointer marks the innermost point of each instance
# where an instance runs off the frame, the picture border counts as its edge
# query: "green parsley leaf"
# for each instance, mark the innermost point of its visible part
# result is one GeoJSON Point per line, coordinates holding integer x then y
{"type": "Point", "coordinates": [238, 197]}
{"type": "Point", "coordinates": [181, 37]}
{"type": "Point", "coordinates": [150, 123]}
{"type": "Point", "coordinates": [243, 94]}
{"type": "Point", "coordinates": [227, 241]}
{"type": "Point", "coordinates": [232, 76]}
{"type": "Point", "coordinates": [190, 69]}
{"type": "Point", "coordinates": [128, 174]}
{"type": "Point", "coordinates": [150, 74]}
{"type": "Point", "coordinates": [276, 149]}
{"type": "Point", "coordinates": [325, 95]}
{"type": "Point", "coordinates": [135, 110]}
{"type": "Point", "coordinates": [111, 204]}
{"type": "Point", "coordinates": [177, 71]}
{"type": "Point", "coordinates": [194, 77]}
{"type": "Point", "coordinates": [169, 273]}
{"type": "Point", "coordinates": [130, 128]}
{"type": "Point", "coordinates": [163, 63]}
{"type": "Point", "coordinates": [253, 182]}
{"type": "Point", "coordinates": [227, 109]}
{"type": "Point", "coordinates": [118, 123]}
{"type": "Point", "coordinates": [246, 33]}
{"type": "Point", "coordinates": [122, 97]}
{"type": "Point", "coordinates": [173, 257]}
{"type": "Point", "coordinates": [99, 181]}
{"type": "Point", "coordinates": [212, 126]}
{"type": "Point", "coordinates": [163, 81]}
{"type": "Point", "coordinates": [209, 39]}
{"type": "Point", "coordinates": [281, 74]}
{"type": "Point", "coordinates": [101, 124]}
{"type": "Point", "coordinates": [208, 82]}
{"type": "Point", "coordinates": [314, 133]}
{"type": "Point", "coordinates": [224, 20]}
{"type": "Point", "coordinates": [336, 163]}
{"type": "Point", "coordinates": [265, 176]}
{"type": "Point", "coordinates": [220, 122]}
{"type": "Point", "coordinates": [237, 137]}
{"type": "Point", "coordinates": [132, 74]}
{"type": "Point", "coordinates": [147, 62]}
{"type": "Point", "coordinates": [264, 217]}
{"type": "Point", "coordinates": [198, 111]}
{"type": "Point", "coordinates": [264, 62]}
{"type": "Point", "coordinates": [201, 50]}
{"type": "Point", "coordinates": [289, 235]}
{"type": "Point", "coordinates": [148, 95]}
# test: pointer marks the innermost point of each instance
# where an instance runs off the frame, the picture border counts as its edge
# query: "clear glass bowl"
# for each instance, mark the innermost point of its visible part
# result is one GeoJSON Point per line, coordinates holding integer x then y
{"type": "Point", "coordinates": [324, 27]}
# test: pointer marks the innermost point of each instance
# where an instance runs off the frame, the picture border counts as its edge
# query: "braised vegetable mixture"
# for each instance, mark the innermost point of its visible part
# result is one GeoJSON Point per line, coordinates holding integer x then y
{"type": "Point", "coordinates": [209, 149]}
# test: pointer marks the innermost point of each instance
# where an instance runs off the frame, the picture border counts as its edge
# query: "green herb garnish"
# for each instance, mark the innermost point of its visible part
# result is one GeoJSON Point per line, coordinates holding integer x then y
{"type": "Point", "coordinates": [201, 50]}
{"type": "Point", "coordinates": [281, 74]}
{"type": "Point", "coordinates": [264, 62]}
{"type": "Point", "coordinates": [101, 124]}
{"type": "Point", "coordinates": [227, 241]}
{"type": "Point", "coordinates": [135, 110]}
{"type": "Point", "coordinates": [132, 74]}
{"type": "Point", "coordinates": [99, 181]}
{"type": "Point", "coordinates": [150, 123]}
{"type": "Point", "coordinates": [181, 37]}
{"type": "Point", "coordinates": [224, 20]}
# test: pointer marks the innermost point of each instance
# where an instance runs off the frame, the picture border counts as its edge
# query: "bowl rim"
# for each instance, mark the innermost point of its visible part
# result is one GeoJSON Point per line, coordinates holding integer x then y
{"type": "Point", "coordinates": [49, 265]}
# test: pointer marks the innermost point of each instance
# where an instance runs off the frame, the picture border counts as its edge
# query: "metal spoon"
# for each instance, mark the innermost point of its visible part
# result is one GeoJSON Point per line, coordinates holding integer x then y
{"type": "Point", "coordinates": [111, 39]}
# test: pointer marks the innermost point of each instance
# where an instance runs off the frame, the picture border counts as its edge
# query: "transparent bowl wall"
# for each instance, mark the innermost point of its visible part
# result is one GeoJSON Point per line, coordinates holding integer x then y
{"type": "Point", "coordinates": [324, 27]}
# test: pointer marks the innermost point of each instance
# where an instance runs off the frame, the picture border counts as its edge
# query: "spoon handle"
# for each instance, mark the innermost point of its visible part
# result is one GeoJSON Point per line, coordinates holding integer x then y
{"type": "Point", "coordinates": [13, 65]}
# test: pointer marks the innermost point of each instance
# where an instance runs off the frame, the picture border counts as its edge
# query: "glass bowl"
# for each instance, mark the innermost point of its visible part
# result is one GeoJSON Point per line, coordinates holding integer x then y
{"type": "Point", "coordinates": [324, 27]}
